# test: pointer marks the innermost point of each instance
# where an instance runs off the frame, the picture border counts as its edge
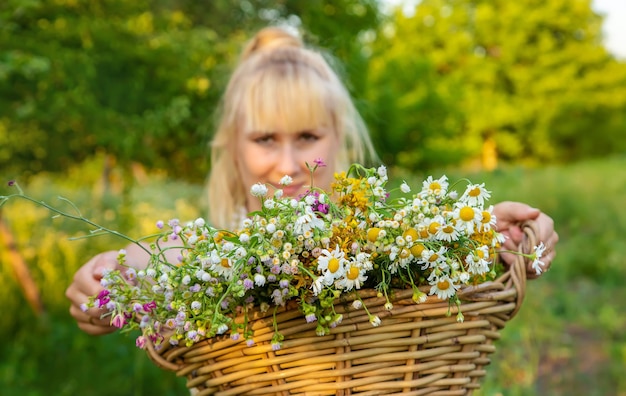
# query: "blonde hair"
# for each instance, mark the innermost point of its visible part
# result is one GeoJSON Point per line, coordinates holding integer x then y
{"type": "Point", "coordinates": [278, 77]}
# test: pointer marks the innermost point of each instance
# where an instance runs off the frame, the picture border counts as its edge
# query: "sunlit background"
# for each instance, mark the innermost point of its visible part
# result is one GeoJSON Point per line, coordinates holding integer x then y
{"type": "Point", "coordinates": [110, 104]}
{"type": "Point", "coordinates": [614, 27]}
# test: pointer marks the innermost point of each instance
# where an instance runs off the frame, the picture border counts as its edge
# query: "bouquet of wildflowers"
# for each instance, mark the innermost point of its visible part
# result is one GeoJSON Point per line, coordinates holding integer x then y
{"type": "Point", "coordinates": [308, 251]}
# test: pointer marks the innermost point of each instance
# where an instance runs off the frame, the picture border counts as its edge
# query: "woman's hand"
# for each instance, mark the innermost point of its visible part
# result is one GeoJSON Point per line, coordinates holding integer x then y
{"type": "Point", "coordinates": [510, 215]}
{"type": "Point", "coordinates": [86, 283]}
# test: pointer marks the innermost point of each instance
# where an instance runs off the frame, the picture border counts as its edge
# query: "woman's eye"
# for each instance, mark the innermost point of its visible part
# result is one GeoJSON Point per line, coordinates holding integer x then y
{"type": "Point", "coordinates": [308, 137]}
{"type": "Point", "coordinates": [265, 139]}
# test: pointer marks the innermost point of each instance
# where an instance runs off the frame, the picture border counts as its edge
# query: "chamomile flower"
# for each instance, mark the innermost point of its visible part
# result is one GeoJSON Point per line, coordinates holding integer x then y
{"type": "Point", "coordinates": [487, 220]}
{"type": "Point", "coordinates": [223, 267]}
{"type": "Point", "coordinates": [353, 277]}
{"type": "Point", "coordinates": [432, 259]}
{"type": "Point", "coordinates": [443, 287]}
{"type": "Point", "coordinates": [478, 260]}
{"type": "Point", "coordinates": [331, 264]}
{"type": "Point", "coordinates": [308, 221]}
{"type": "Point", "coordinates": [448, 232]}
{"type": "Point", "coordinates": [431, 226]}
{"type": "Point", "coordinates": [437, 187]}
{"type": "Point", "coordinates": [317, 285]}
{"type": "Point", "coordinates": [537, 264]}
{"type": "Point", "coordinates": [475, 195]}
{"type": "Point", "coordinates": [364, 261]}
{"type": "Point", "coordinates": [467, 217]}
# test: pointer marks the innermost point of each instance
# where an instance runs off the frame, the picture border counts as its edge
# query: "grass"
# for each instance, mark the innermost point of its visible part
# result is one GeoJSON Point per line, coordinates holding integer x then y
{"type": "Point", "coordinates": [567, 339]}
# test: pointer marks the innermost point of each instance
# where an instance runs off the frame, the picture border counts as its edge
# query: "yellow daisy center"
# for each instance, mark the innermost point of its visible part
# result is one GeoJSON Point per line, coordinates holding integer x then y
{"type": "Point", "coordinates": [486, 217]}
{"type": "Point", "coordinates": [434, 257]}
{"type": "Point", "coordinates": [466, 213]}
{"type": "Point", "coordinates": [333, 265]}
{"type": "Point", "coordinates": [353, 273]}
{"type": "Point", "coordinates": [405, 253]}
{"type": "Point", "coordinates": [474, 192]}
{"type": "Point", "coordinates": [443, 285]}
{"type": "Point", "coordinates": [372, 234]}
{"type": "Point", "coordinates": [435, 186]}
{"type": "Point", "coordinates": [412, 232]}
{"type": "Point", "coordinates": [417, 249]}
{"type": "Point", "coordinates": [448, 229]}
{"type": "Point", "coordinates": [434, 227]}
{"type": "Point", "coordinates": [225, 263]}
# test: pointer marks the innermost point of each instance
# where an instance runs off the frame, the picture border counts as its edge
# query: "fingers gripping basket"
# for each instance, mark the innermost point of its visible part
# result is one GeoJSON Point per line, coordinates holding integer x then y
{"type": "Point", "coordinates": [419, 349]}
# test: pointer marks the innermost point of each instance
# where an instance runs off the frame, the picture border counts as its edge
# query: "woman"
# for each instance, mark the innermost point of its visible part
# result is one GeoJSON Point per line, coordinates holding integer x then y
{"type": "Point", "coordinates": [284, 107]}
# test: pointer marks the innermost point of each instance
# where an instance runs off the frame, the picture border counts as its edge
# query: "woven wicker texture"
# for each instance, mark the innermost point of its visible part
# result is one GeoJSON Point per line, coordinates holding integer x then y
{"type": "Point", "coordinates": [419, 349]}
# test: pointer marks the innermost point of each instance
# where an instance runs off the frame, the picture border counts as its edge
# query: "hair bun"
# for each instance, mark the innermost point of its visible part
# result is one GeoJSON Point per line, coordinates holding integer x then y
{"type": "Point", "coordinates": [271, 37]}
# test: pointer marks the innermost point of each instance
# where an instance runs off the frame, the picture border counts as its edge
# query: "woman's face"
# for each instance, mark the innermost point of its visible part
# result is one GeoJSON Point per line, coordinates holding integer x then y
{"type": "Point", "coordinates": [267, 156]}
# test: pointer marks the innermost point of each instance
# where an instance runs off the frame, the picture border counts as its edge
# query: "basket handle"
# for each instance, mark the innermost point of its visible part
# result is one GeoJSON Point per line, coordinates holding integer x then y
{"type": "Point", "coordinates": [521, 268]}
{"type": "Point", "coordinates": [158, 359]}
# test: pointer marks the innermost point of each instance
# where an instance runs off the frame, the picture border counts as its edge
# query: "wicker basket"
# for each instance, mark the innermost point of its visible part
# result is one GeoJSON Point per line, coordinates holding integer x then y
{"type": "Point", "coordinates": [419, 349]}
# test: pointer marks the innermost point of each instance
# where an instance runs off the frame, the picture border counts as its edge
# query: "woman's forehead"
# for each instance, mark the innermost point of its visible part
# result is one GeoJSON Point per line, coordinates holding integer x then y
{"type": "Point", "coordinates": [285, 124]}
{"type": "Point", "coordinates": [291, 102]}
{"type": "Point", "coordinates": [287, 117]}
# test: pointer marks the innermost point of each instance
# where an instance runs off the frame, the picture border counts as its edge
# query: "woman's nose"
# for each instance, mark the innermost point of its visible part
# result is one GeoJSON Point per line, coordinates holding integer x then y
{"type": "Point", "coordinates": [288, 163]}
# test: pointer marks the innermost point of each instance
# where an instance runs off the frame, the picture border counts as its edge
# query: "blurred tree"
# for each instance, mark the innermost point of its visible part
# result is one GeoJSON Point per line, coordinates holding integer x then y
{"type": "Point", "coordinates": [140, 79]}
{"type": "Point", "coordinates": [462, 78]}
{"type": "Point", "coordinates": [105, 74]}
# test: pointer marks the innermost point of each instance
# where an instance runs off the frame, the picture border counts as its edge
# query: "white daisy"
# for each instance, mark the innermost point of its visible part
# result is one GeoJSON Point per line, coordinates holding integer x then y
{"type": "Point", "coordinates": [353, 277]}
{"type": "Point", "coordinates": [307, 221]}
{"type": "Point", "coordinates": [437, 187]}
{"type": "Point", "coordinates": [477, 261]}
{"type": "Point", "coordinates": [443, 287]}
{"type": "Point", "coordinates": [537, 264]}
{"type": "Point", "coordinates": [364, 261]}
{"type": "Point", "coordinates": [432, 259]}
{"type": "Point", "coordinates": [448, 232]}
{"type": "Point", "coordinates": [467, 217]}
{"type": "Point", "coordinates": [317, 285]}
{"type": "Point", "coordinates": [331, 264]}
{"type": "Point", "coordinates": [475, 194]}
{"type": "Point", "coordinates": [432, 225]}
{"type": "Point", "coordinates": [488, 220]}
{"type": "Point", "coordinates": [223, 268]}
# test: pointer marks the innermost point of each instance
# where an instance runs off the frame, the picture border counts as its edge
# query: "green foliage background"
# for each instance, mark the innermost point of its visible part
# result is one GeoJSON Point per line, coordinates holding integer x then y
{"type": "Point", "coordinates": [140, 80]}
{"type": "Point", "coordinates": [110, 103]}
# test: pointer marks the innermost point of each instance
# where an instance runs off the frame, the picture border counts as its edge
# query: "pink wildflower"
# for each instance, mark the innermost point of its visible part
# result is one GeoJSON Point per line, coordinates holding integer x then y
{"type": "Point", "coordinates": [140, 342]}
{"type": "Point", "coordinates": [148, 307]}
{"type": "Point", "coordinates": [118, 321]}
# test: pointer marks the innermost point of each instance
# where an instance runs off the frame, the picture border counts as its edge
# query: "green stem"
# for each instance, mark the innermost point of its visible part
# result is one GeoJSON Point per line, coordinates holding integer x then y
{"type": "Point", "coordinates": [78, 217]}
